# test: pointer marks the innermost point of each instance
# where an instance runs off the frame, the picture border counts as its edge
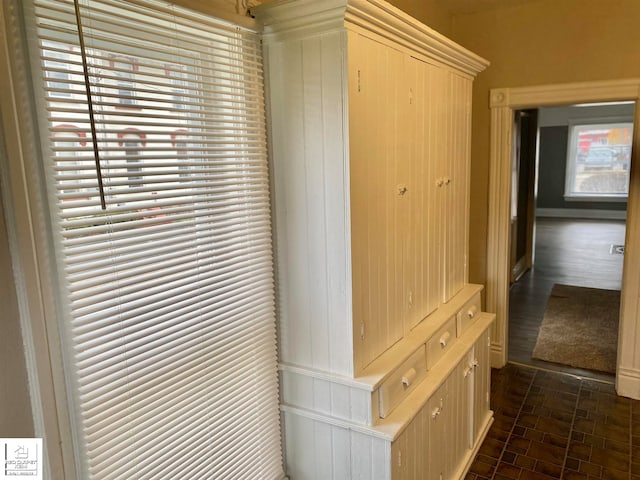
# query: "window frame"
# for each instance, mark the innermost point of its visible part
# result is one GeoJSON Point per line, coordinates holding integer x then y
{"type": "Point", "coordinates": [27, 215]}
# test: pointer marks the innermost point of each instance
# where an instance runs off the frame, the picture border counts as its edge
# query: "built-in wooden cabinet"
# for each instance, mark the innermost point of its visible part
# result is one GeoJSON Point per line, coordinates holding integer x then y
{"type": "Point", "coordinates": [369, 121]}
{"type": "Point", "coordinates": [442, 438]}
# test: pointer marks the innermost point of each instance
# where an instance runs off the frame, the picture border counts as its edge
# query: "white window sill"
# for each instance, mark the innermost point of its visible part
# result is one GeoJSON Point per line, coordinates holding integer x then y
{"type": "Point", "coordinates": [596, 198]}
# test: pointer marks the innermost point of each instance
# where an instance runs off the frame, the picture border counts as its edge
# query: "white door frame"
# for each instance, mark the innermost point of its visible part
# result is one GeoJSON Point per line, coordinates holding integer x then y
{"type": "Point", "coordinates": [503, 103]}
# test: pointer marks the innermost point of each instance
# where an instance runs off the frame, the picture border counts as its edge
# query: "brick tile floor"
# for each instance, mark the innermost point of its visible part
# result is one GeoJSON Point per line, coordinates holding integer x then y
{"type": "Point", "coordinates": [555, 426]}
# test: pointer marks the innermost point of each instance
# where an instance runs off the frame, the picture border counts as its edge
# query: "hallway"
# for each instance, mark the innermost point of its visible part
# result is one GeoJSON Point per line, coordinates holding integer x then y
{"type": "Point", "coordinates": [567, 251]}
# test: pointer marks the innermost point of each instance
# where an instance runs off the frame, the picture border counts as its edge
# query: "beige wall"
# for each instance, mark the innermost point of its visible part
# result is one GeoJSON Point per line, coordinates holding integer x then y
{"type": "Point", "coordinates": [15, 407]}
{"type": "Point", "coordinates": [429, 12]}
{"type": "Point", "coordinates": [542, 42]}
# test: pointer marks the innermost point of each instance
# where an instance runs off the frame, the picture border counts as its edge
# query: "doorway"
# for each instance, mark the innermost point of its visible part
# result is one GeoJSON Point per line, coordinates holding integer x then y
{"type": "Point", "coordinates": [503, 103]}
{"type": "Point", "coordinates": [570, 180]}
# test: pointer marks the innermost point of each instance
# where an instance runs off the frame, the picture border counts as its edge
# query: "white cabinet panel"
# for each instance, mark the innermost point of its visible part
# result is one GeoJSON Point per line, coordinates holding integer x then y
{"type": "Point", "coordinates": [311, 197]}
{"type": "Point", "coordinates": [442, 438]}
{"type": "Point", "coordinates": [422, 259]}
{"type": "Point", "coordinates": [456, 184]}
{"type": "Point", "coordinates": [410, 452]}
{"type": "Point", "coordinates": [481, 385]}
{"type": "Point", "coordinates": [378, 210]}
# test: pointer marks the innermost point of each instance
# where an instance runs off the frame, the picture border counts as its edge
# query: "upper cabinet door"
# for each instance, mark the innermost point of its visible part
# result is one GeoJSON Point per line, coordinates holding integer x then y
{"type": "Point", "coordinates": [379, 194]}
{"type": "Point", "coordinates": [455, 187]}
{"type": "Point", "coordinates": [422, 258]}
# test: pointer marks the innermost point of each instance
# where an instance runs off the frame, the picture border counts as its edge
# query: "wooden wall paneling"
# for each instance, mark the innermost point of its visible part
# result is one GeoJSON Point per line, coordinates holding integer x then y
{"type": "Point", "coordinates": [314, 189]}
{"type": "Point", "coordinates": [311, 193]}
{"type": "Point", "coordinates": [294, 322]}
{"type": "Point", "coordinates": [323, 438]}
{"type": "Point", "coordinates": [300, 457]}
{"type": "Point", "coordinates": [340, 454]}
{"type": "Point", "coordinates": [322, 451]}
{"type": "Point", "coordinates": [337, 269]}
{"type": "Point", "coordinates": [340, 401]}
{"type": "Point", "coordinates": [370, 458]}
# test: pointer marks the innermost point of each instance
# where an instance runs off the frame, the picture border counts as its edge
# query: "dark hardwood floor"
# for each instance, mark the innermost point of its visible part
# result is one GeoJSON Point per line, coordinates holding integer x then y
{"type": "Point", "coordinates": [571, 252]}
{"type": "Point", "coordinates": [554, 426]}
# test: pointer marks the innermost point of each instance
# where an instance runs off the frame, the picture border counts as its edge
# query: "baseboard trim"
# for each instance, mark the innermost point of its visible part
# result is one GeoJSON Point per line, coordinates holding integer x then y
{"type": "Point", "coordinates": [498, 359]}
{"type": "Point", "coordinates": [628, 383]}
{"type": "Point", "coordinates": [582, 213]}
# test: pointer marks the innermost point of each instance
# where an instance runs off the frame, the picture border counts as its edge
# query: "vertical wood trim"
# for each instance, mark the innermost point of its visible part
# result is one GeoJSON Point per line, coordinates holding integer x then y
{"type": "Point", "coordinates": [628, 366]}
{"type": "Point", "coordinates": [497, 286]}
{"type": "Point", "coordinates": [310, 169]}
{"type": "Point", "coordinates": [26, 211]}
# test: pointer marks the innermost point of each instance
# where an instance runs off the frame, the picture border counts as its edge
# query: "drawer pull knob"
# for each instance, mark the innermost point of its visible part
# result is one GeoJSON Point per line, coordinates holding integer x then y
{"type": "Point", "coordinates": [472, 312]}
{"type": "Point", "coordinates": [408, 377]}
{"type": "Point", "coordinates": [444, 339]}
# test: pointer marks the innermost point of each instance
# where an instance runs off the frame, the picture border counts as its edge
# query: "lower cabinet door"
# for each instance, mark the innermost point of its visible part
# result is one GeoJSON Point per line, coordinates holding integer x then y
{"type": "Point", "coordinates": [437, 409]}
{"type": "Point", "coordinates": [481, 385]}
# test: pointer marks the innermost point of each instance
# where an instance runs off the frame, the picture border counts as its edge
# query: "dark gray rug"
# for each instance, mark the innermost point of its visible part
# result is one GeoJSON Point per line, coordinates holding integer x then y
{"type": "Point", "coordinates": [580, 328]}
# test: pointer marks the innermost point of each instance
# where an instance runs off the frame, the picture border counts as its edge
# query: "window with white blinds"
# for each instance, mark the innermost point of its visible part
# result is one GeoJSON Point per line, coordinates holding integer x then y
{"type": "Point", "coordinates": [167, 294]}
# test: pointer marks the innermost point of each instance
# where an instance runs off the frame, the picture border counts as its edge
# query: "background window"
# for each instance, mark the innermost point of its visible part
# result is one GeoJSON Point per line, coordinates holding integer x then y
{"type": "Point", "coordinates": [598, 161]}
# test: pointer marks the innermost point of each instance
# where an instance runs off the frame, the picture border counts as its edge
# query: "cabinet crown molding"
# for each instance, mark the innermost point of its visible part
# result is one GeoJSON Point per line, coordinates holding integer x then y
{"type": "Point", "coordinates": [281, 18]}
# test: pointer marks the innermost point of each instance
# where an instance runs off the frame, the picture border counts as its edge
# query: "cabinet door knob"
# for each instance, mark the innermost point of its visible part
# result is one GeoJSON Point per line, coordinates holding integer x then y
{"type": "Point", "coordinates": [444, 339]}
{"type": "Point", "coordinates": [472, 312]}
{"type": "Point", "coordinates": [439, 182]}
{"type": "Point", "coordinates": [408, 377]}
{"type": "Point", "coordinates": [447, 181]}
{"type": "Point", "coordinates": [436, 412]}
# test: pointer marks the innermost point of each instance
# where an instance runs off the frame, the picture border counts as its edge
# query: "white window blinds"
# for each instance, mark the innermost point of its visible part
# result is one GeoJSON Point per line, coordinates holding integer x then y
{"type": "Point", "coordinates": [167, 294]}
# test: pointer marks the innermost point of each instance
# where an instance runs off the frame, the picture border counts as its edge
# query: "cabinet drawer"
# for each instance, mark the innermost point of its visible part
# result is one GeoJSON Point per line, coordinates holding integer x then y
{"type": "Point", "coordinates": [402, 381]}
{"type": "Point", "coordinates": [469, 313]}
{"type": "Point", "coordinates": [441, 342]}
